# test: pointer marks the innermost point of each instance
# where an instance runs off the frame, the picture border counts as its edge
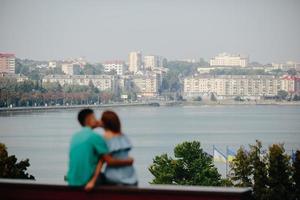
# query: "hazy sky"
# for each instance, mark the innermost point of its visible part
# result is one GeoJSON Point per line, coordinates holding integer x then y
{"type": "Point", "coordinates": [266, 30]}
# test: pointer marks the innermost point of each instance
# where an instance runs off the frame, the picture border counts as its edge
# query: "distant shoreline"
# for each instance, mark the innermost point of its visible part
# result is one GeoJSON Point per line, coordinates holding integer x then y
{"type": "Point", "coordinates": [179, 103]}
{"type": "Point", "coordinates": [236, 103]}
{"type": "Point", "coordinates": [70, 107]}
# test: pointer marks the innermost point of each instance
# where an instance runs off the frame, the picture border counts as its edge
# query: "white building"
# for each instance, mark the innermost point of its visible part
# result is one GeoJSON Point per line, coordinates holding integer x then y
{"type": "Point", "coordinates": [7, 63]}
{"type": "Point", "coordinates": [135, 61]}
{"type": "Point", "coordinates": [205, 70]}
{"type": "Point", "coordinates": [17, 77]}
{"type": "Point", "coordinates": [52, 64]}
{"type": "Point", "coordinates": [237, 85]}
{"type": "Point", "coordinates": [117, 65]}
{"type": "Point", "coordinates": [228, 60]}
{"type": "Point", "coordinates": [152, 61]}
{"type": "Point", "coordinates": [70, 68]}
{"type": "Point", "coordinates": [102, 82]}
{"type": "Point", "coordinates": [189, 60]}
{"type": "Point", "coordinates": [286, 66]}
{"type": "Point", "coordinates": [148, 85]}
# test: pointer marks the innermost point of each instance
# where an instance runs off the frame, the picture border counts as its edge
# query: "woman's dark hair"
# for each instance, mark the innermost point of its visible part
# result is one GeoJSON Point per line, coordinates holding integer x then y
{"type": "Point", "coordinates": [111, 121]}
{"type": "Point", "coordinates": [83, 114]}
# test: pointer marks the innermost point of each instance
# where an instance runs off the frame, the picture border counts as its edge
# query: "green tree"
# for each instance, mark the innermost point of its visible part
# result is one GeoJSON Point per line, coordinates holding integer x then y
{"type": "Point", "coordinates": [259, 171]}
{"type": "Point", "coordinates": [199, 98]}
{"type": "Point", "coordinates": [53, 87]}
{"type": "Point", "coordinates": [10, 168]}
{"type": "Point", "coordinates": [34, 74]}
{"type": "Point", "coordinates": [292, 72]}
{"type": "Point", "coordinates": [282, 94]}
{"type": "Point", "coordinates": [296, 174]}
{"type": "Point", "coordinates": [56, 70]}
{"type": "Point", "coordinates": [213, 97]}
{"type": "Point", "coordinates": [177, 69]}
{"type": "Point", "coordinates": [280, 173]}
{"type": "Point", "coordinates": [296, 98]}
{"type": "Point", "coordinates": [238, 98]}
{"type": "Point", "coordinates": [241, 169]}
{"type": "Point", "coordinates": [191, 166]}
{"type": "Point", "coordinates": [90, 69]}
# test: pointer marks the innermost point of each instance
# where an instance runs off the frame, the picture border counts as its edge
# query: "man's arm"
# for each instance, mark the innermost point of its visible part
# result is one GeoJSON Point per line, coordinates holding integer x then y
{"type": "Point", "coordinates": [117, 162]}
{"type": "Point", "coordinates": [91, 184]}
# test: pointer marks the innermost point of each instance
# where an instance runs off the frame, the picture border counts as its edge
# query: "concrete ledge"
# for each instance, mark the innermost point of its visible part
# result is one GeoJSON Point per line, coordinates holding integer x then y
{"type": "Point", "coordinates": [10, 190]}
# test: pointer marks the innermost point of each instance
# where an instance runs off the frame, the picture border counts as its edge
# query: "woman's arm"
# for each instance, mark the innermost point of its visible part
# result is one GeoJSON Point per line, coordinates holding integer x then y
{"type": "Point", "coordinates": [91, 184]}
{"type": "Point", "coordinates": [117, 162]}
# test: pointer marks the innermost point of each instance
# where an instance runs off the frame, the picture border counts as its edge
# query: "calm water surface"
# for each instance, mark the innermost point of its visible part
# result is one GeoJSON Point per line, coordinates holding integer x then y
{"type": "Point", "coordinates": [44, 137]}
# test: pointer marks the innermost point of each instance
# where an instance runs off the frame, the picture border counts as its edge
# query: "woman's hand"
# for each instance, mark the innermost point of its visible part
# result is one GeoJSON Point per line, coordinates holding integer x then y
{"type": "Point", "coordinates": [89, 186]}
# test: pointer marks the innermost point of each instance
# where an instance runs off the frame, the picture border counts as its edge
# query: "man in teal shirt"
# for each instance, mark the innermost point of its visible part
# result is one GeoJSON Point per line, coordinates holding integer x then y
{"type": "Point", "coordinates": [86, 149]}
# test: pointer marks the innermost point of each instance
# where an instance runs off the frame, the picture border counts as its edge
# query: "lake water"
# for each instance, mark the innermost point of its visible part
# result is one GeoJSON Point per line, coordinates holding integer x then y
{"type": "Point", "coordinates": [44, 137]}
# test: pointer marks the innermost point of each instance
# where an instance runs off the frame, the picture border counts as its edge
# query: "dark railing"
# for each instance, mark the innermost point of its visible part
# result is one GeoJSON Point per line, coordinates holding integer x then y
{"type": "Point", "coordinates": [11, 190]}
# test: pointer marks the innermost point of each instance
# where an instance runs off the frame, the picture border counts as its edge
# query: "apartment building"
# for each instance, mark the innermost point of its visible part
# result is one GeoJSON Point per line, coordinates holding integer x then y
{"type": "Point", "coordinates": [70, 68]}
{"type": "Point", "coordinates": [153, 61]}
{"type": "Point", "coordinates": [237, 85]}
{"type": "Point", "coordinates": [147, 85]}
{"type": "Point", "coordinates": [7, 63]}
{"type": "Point", "coordinates": [116, 65]}
{"type": "Point", "coordinates": [291, 84]}
{"type": "Point", "coordinates": [102, 82]}
{"type": "Point", "coordinates": [229, 60]}
{"type": "Point", "coordinates": [52, 64]}
{"type": "Point", "coordinates": [135, 61]}
{"type": "Point", "coordinates": [17, 77]}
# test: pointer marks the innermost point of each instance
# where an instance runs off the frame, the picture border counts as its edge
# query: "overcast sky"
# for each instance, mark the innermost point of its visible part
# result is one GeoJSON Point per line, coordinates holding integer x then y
{"type": "Point", "coordinates": [266, 30]}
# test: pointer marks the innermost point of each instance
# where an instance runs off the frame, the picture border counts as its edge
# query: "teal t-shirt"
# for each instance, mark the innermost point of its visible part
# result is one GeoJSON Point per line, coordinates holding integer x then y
{"type": "Point", "coordinates": [86, 149]}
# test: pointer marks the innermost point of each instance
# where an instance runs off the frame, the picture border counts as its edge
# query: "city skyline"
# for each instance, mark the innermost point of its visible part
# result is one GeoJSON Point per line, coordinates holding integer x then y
{"type": "Point", "coordinates": [267, 31]}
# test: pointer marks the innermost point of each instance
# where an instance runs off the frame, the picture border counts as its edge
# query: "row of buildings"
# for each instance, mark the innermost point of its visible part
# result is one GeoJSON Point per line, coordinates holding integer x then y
{"type": "Point", "coordinates": [228, 86]}
{"type": "Point", "coordinates": [136, 63]}
{"type": "Point", "coordinates": [224, 86]}
{"type": "Point", "coordinates": [146, 85]}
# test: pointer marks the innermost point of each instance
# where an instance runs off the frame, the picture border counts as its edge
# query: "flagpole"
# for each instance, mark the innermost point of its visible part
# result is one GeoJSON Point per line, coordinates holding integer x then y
{"type": "Point", "coordinates": [226, 161]}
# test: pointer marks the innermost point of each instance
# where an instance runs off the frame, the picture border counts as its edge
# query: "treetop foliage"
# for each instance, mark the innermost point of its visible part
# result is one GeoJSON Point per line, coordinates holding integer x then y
{"type": "Point", "coordinates": [191, 166]}
{"type": "Point", "coordinates": [270, 173]}
{"type": "Point", "coordinates": [10, 168]}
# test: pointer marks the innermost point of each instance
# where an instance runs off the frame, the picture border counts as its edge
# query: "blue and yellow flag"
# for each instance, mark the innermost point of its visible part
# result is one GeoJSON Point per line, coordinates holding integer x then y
{"type": "Point", "coordinates": [230, 154]}
{"type": "Point", "coordinates": [219, 156]}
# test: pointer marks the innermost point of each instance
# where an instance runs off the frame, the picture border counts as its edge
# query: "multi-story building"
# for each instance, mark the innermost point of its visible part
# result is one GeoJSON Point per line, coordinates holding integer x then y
{"type": "Point", "coordinates": [228, 60]}
{"type": "Point", "coordinates": [135, 61]}
{"type": "Point", "coordinates": [237, 85]}
{"type": "Point", "coordinates": [205, 70]}
{"type": "Point", "coordinates": [17, 77]}
{"type": "Point", "coordinates": [147, 85]}
{"type": "Point", "coordinates": [286, 66]}
{"type": "Point", "coordinates": [7, 63]}
{"type": "Point", "coordinates": [152, 61]}
{"type": "Point", "coordinates": [189, 60]}
{"type": "Point", "coordinates": [117, 65]}
{"type": "Point", "coordinates": [70, 68]}
{"type": "Point", "coordinates": [291, 84]}
{"type": "Point", "coordinates": [102, 82]}
{"type": "Point", "coordinates": [52, 64]}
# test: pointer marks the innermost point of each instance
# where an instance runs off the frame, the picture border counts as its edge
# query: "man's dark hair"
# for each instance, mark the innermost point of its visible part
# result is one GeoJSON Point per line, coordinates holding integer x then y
{"type": "Point", "coordinates": [83, 114]}
{"type": "Point", "coordinates": [111, 121]}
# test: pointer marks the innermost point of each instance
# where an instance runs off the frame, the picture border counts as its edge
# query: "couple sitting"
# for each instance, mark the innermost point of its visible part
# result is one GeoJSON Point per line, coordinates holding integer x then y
{"type": "Point", "coordinates": [89, 152]}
